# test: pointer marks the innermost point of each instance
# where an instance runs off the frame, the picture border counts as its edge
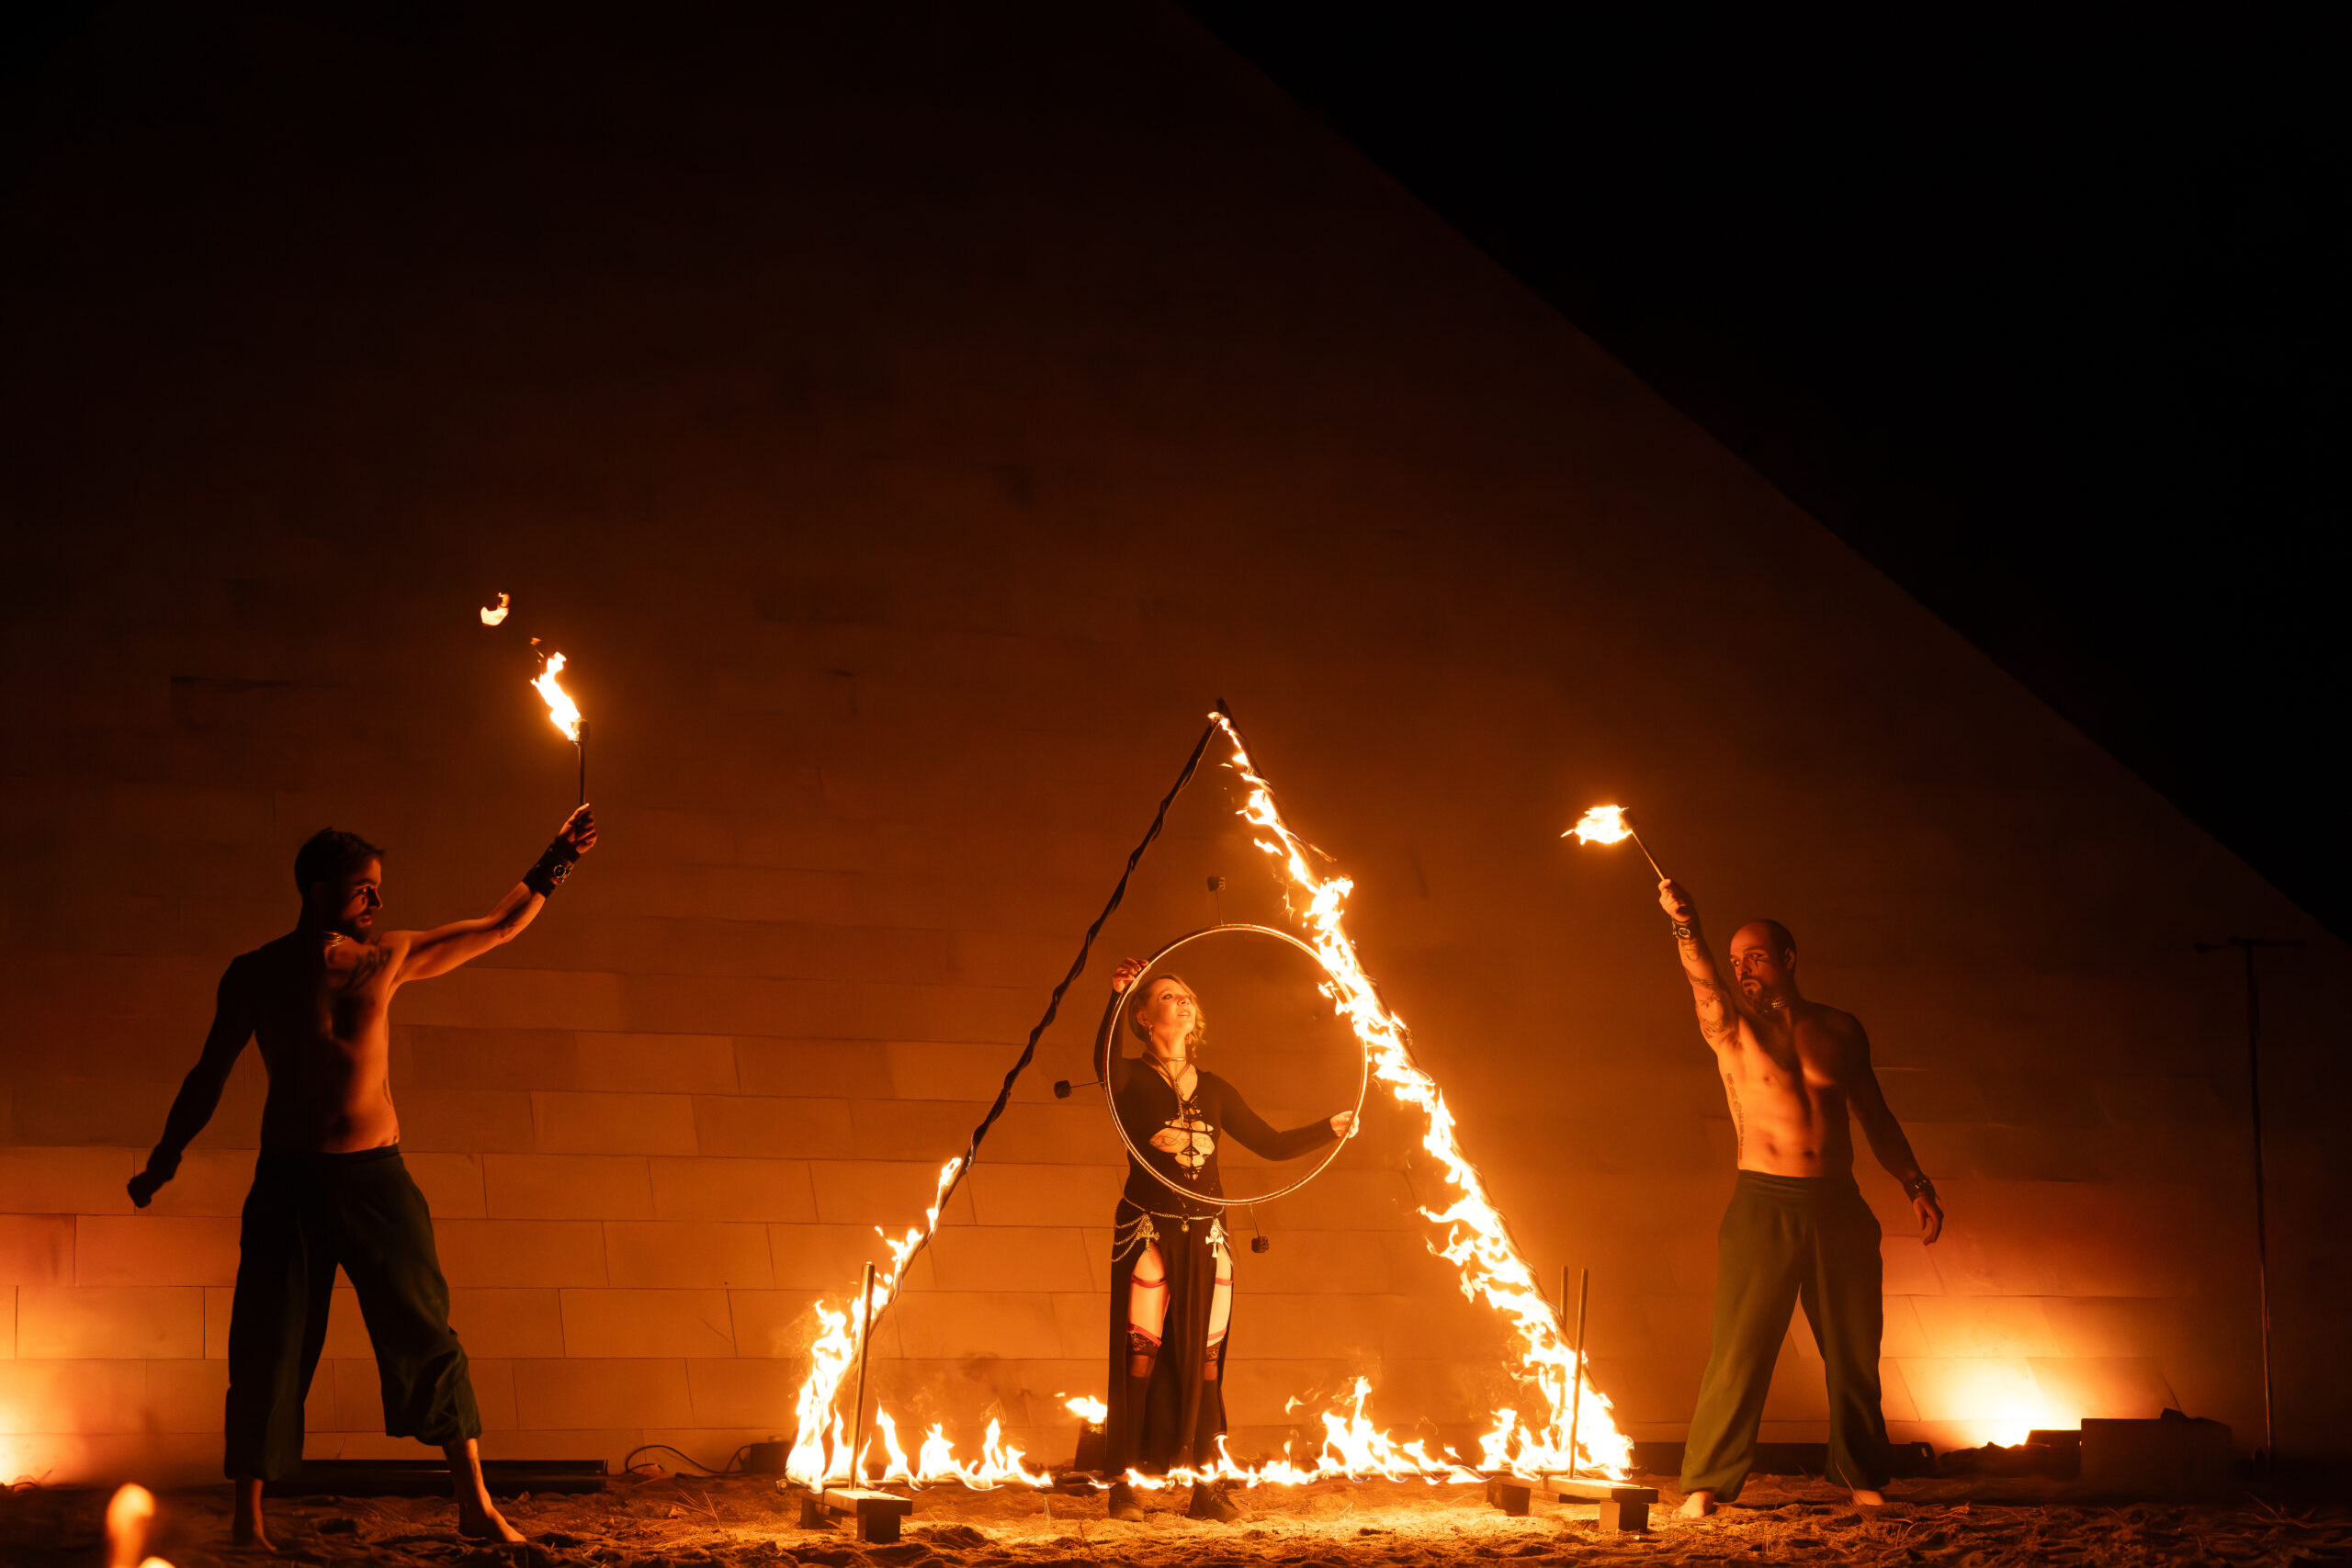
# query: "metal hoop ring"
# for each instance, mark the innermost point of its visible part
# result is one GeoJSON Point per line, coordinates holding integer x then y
{"type": "Point", "coordinates": [1108, 1043]}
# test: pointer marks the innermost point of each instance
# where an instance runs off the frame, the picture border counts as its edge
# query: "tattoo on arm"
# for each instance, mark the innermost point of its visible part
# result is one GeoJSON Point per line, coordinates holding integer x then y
{"type": "Point", "coordinates": [1718, 1012]}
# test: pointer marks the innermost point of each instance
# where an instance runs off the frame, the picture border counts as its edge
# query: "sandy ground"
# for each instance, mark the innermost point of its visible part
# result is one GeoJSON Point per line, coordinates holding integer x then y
{"type": "Point", "coordinates": [744, 1523]}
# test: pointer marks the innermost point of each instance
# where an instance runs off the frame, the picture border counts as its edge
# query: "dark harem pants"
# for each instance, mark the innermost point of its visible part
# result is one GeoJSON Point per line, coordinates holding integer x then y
{"type": "Point", "coordinates": [1786, 1239]}
{"type": "Point", "coordinates": [307, 1214]}
{"type": "Point", "coordinates": [1169, 1417]}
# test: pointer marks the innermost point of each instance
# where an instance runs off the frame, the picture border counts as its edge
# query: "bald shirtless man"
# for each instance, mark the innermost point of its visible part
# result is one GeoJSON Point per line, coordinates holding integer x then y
{"type": "Point", "coordinates": [329, 1188]}
{"type": "Point", "coordinates": [1797, 1227]}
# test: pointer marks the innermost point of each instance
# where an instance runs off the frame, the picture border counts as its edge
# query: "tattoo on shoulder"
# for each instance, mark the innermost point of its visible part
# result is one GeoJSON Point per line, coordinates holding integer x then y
{"type": "Point", "coordinates": [370, 961]}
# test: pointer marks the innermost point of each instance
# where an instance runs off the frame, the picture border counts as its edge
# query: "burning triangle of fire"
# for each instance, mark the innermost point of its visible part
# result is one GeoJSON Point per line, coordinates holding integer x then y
{"type": "Point", "coordinates": [1476, 1242]}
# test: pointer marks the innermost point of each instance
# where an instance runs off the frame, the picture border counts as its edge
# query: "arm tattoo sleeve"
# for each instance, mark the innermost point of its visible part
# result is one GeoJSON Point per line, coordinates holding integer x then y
{"type": "Point", "coordinates": [1717, 1010]}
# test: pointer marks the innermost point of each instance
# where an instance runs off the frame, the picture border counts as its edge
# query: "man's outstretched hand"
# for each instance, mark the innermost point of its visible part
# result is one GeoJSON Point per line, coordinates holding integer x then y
{"type": "Point", "coordinates": [1676, 902]}
{"type": "Point", "coordinates": [146, 1184]}
{"type": "Point", "coordinates": [580, 830]}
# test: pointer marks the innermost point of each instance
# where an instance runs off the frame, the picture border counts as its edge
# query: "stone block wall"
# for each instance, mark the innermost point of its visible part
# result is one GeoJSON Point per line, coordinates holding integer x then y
{"type": "Point", "coordinates": [905, 453]}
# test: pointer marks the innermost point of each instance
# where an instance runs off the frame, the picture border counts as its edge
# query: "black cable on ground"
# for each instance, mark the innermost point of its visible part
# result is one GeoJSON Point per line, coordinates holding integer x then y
{"type": "Point", "coordinates": [730, 1468]}
{"type": "Point", "coordinates": [1054, 1003]}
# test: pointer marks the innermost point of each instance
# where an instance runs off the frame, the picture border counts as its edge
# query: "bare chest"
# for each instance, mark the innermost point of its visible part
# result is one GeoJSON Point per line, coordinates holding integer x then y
{"type": "Point", "coordinates": [1794, 1059]}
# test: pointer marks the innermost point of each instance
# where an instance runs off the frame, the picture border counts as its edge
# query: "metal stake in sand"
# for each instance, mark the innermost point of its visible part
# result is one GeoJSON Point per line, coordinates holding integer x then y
{"type": "Point", "coordinates": [857, 1419]}
{"type": "Point", "coordinates": [1610, 825]}
{"type": "Point", "coordinates": [1576, 1398]}
{"type": "Point", "coordinates": [2249, 945]}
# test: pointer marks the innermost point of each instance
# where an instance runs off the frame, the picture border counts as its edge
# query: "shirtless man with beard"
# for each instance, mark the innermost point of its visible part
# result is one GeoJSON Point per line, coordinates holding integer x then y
{"type": "Point", "coordinates": [1797, 1228]}
{"type": "Point", "coordinates": [329, 1188]}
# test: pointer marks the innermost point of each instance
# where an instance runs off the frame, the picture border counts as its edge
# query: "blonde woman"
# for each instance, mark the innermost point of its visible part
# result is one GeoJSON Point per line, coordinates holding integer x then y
{"type": "Point", "coordinates": [1172, 1270]}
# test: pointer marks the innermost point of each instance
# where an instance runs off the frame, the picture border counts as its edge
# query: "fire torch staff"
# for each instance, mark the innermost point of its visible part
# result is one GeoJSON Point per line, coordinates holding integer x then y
{"type": "Point", "coordinates": [329, 1188]}
{"type": "Point", "coordinates": [1797, 1227]}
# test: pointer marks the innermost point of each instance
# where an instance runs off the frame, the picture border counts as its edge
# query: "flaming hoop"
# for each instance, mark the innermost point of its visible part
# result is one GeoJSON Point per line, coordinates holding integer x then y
{"type": "Point", "coordinates": [1111, 1037]}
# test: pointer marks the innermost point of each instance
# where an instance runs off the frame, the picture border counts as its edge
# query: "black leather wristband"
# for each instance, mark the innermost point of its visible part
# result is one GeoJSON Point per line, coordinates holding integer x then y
{"type": "Point", "coordinates": [552, 867]}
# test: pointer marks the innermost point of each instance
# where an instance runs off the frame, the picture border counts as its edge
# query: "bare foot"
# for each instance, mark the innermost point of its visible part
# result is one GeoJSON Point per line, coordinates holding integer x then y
{"type": "Point", "coordinates": [244, 1522]}
{"type": "Point", "coordinates": [482, 1521]}
{"type": "Point", "coordinates": [1869, 1499]}
{"type": "Point", "coordinates": [1697, 1505]}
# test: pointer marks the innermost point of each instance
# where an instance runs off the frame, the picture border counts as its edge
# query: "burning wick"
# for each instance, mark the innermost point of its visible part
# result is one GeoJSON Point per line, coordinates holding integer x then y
{"type": "Point", "coordinates": [129, 1515]}
{"type": "Point", "coordinates": [1609, 825]}
{"type": "Point", "coordinates": [493, 617]}
{"type": "Point", "coordinates": [563, 712]}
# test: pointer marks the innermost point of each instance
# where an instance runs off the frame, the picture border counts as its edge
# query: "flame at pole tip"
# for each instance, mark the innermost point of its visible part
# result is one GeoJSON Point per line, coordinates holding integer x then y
{"type": "Point", "coordinates": [562, 710]}
{"type": "Point", "coordinates": [491, 617]}
{"type": "Point", "coordinates": [1609, 825]}
{"type": "Point", "coordinates": [1602, 825]}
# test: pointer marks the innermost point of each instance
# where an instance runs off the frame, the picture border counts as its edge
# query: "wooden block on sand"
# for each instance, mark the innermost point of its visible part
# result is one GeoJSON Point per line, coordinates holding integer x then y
{"type": "Point", "coordinates": [877, 1513]}
{"type": "Point", "coordinates": [1622, 1507]}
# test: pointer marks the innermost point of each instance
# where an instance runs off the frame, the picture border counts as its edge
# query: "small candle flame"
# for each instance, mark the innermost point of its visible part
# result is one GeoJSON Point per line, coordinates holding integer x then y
{"type": "Point", "coordinates": [492, 617]}
{"type": "Point", "coordinates": [561, 711]}
{"type": "Point", "coordinates": [1602, 825]}
{"type": "Point", "coordinates": [129, 1515]}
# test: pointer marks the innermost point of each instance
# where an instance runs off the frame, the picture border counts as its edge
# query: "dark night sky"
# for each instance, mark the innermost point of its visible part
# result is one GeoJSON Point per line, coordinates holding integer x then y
{"type": "Point", "coordinates": [2040, 322]}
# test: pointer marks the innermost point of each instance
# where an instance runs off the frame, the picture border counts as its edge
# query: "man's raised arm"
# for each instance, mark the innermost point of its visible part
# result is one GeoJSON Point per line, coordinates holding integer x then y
{"type": "Point", "coordinates": [1717, 1003]}
{"type": "Point", "coordinates": [199, 1096]}
{"type": "Point", "coordinates": [1888, 1141]}
{"type": "Point", "coordinates": [424, 955]}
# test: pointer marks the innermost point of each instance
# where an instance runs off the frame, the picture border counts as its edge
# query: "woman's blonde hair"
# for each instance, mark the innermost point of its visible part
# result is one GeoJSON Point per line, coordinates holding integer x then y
{"type": "Point", "coordinates": [1192, 1041]}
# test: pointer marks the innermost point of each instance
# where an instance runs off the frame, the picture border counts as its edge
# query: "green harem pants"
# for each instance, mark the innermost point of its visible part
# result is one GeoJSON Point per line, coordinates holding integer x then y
{"type": "Point", "coordinates": [1785, 1239]}
{"type": "Point", "coordinates": [307, 1214]}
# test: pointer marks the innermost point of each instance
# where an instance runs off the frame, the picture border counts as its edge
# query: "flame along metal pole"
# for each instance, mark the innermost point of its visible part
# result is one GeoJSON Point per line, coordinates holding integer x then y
{"type": "Point", "coordinates": [581, 746]}
{"type": "Point", "coordinates": [865, 1337]}
{"type": "Point", "coordinates": [2247, 945]}
{"type": "Point", "coordinates": [1576, 1398]}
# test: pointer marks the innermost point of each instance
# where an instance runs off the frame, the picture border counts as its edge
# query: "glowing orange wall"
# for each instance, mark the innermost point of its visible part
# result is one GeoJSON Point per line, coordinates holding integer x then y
{"type": "Point", "coordinates": [907, 436]}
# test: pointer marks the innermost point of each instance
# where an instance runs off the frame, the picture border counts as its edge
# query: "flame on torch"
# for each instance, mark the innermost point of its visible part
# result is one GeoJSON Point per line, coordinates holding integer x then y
{"type": "Point", "coordinates": [1602, 825]}
{"type": "Point", "coordinates": [562, 710]}
{"type": "Point", "coordinates": [495, 617]}
{"type": "Point", "coordinates": [1609, 825]}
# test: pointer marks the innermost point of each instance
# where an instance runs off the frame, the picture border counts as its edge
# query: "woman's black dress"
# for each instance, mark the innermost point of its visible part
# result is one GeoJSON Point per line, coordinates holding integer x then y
{"type": "Point", "coordinates": [1170, 1417]}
